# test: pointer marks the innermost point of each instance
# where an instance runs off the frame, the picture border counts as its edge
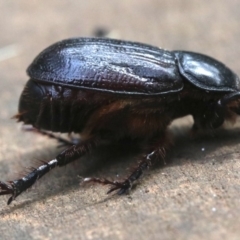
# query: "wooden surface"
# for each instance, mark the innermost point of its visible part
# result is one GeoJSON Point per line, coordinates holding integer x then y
{"type": "Point", "coordinates": [195, 196]}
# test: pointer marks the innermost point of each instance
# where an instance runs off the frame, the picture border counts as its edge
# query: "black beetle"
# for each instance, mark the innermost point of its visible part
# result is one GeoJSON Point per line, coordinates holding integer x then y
{"type": "Point", "coordinates": [107, 89]}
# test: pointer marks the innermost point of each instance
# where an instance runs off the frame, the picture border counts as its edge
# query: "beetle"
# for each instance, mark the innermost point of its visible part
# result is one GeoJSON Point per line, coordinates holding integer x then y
{"type": "Point", "coordinates": [105, 89]}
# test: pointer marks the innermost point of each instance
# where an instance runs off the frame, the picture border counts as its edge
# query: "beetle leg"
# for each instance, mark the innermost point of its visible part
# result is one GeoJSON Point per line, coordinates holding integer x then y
{"type": "Point", "coordinates": [127, 184]}
{"type": "Point", "coordinates": [233, 100]}
{"type": "Point", "coordinates": [148, 160]}
{"type": "Point", "coordinates": [72, 153]}
{"type": "Point", "coordinates": [62, 141]}
{"type": "Point", "coordinates": [211, 115]}
{"type": "Point", "coordinates": [229, 98]}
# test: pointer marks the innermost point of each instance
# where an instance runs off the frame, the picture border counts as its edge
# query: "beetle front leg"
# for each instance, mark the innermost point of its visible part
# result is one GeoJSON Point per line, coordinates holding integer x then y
{"type": "Point", "coordinates": [72, 153]}
{"type": "Point", "coordinates": [232, 100]}
{"type": "Point", "coordinates": [208, 116]}
{"type": "Point", "coordinates": [158, 152]}
{"type": "Point", "coordinates": [212, 115]}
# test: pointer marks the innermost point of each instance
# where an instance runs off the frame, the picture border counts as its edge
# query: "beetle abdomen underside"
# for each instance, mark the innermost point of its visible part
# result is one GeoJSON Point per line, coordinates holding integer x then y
{"type": "Point", "coordinates": [62, 109]}
{"type": "Point", "coordinates": [53, 108]}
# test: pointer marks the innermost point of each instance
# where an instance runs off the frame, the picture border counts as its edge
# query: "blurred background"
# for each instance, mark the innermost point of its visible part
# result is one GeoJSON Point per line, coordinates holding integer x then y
{"type": "Point", "coordinates": [195, 197]}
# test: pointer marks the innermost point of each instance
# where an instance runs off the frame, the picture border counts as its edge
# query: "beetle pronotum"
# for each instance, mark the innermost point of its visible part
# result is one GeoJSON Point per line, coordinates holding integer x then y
{"type": "Point", "coordinates": [110, 89]}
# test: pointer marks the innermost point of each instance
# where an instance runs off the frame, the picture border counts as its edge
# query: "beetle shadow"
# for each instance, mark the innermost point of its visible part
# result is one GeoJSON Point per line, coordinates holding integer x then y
{"type": "Point", "coordinates": [111, 161]}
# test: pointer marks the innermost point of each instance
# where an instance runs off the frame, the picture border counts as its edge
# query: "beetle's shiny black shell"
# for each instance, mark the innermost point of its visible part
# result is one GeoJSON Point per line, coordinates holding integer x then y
{"type": "Point", "coordinates": [108, 65]}
{"type": "Point", "coordinates": [128, 68]}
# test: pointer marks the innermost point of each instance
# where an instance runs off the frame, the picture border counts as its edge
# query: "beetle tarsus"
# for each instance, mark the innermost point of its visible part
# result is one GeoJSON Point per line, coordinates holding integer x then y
{"type": "Point", "coordinates": [149, 160]}
{"type": "Point", "coordinates": [123, 187]}
{"type": "Point", "coordinates": [126, 185]}
{"type": "Point", "coordinates": [6, 189]}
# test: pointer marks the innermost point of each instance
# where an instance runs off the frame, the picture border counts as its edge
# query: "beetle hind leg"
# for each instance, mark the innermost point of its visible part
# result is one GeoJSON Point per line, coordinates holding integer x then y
{"type": "Point", "coordinates": [62, 141]}
{"type": "Point", "coordinates": [126, 185]}
{"type": "Point", "coordinates": [158, 152]}
{"type": "Point", "coordinates": [16, 187]}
